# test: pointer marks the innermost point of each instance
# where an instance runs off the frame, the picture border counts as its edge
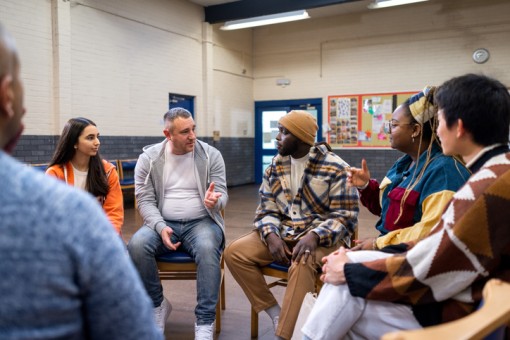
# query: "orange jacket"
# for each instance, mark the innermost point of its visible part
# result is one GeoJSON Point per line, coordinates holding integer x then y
{"type": "Point", "coordinates": [113, 205]}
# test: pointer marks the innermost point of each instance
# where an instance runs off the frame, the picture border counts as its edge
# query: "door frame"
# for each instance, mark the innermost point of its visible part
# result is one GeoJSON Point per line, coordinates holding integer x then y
{"type": "Point", "coordinates": [280, 105]}
{"type": "Point", "coordinates": [181, 100]}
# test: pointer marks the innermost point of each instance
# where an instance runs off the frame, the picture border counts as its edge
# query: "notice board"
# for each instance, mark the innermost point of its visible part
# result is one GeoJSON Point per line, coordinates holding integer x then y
{"type": "Point", "coordinates": [357, 120]}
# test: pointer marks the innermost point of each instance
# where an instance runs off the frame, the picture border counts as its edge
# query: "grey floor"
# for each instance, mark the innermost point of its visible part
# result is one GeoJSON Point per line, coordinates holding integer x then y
{"type": "Point", "coordinates": [236, 317]}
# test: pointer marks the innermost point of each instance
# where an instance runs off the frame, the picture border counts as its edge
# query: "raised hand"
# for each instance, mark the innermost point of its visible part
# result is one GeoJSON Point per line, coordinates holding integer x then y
{"type": "Point", "coordinates": [211, 197]}
{"type": "Point", "coordinates": [359, 177]}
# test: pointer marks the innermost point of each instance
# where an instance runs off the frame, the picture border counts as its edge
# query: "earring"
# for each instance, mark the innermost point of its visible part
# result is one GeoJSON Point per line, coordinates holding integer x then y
{"type": "Point", "coordinates": [412, 138]}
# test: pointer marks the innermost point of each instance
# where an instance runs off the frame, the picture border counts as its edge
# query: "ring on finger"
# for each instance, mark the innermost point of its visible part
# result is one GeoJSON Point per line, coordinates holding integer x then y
{"type": "Point", "coordinates": [307, 251]}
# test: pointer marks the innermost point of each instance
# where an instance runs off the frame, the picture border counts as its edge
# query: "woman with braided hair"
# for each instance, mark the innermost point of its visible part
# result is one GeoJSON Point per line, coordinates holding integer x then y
{"type": "Point", "coordinates": [412, 196]}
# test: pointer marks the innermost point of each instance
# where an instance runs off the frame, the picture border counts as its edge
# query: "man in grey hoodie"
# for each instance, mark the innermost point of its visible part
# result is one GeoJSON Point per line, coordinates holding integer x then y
{"type": "Point", "coordinates": [180, 189]}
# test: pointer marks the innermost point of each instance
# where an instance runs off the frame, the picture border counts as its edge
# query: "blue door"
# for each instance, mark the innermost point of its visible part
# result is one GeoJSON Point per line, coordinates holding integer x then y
{"type": "Point", "coordinates": [267, 114]}
{"type": "Point", "coordinates": [180, 100]}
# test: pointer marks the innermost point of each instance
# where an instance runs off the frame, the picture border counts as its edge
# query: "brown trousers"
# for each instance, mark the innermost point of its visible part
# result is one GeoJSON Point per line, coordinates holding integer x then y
{"type": "Point", "coordinates": [246, 255]}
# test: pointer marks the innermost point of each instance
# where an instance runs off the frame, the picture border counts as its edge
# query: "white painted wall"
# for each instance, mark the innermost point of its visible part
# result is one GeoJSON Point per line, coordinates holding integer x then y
{"type": "Point", "coordinates": [396, 49]}
{"type": "Point", "coordinates": [30, 24]}
{"type": "Point", "coordinates": [115, 61]}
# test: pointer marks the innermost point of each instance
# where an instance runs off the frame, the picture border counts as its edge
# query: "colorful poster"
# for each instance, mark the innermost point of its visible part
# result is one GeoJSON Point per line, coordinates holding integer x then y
{"type": "Point", "coordinates": [358, 120]}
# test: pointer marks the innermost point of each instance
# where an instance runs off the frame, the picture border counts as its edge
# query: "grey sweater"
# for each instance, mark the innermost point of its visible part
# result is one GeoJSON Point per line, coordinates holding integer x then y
{"type": "Point", "coordinates": [64, 273]}
{"type": "Point", "coordinates": [149, 186]}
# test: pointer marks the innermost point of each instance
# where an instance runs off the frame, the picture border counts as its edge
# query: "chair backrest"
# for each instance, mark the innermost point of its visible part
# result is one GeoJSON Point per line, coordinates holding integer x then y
{"type": "Point", "coordinates": [126, 170]}
{"type": "Point", "coordinates": [40, 166]}
{"type": "Point", "coordinates": [493, 315]}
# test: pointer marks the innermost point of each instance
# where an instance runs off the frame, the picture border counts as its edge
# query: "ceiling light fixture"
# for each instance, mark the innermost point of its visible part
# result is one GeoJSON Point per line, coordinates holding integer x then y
{"type": "Point", "coordinates": [265, 20]}
{"type": "Point", "coordinates": [390, 3]}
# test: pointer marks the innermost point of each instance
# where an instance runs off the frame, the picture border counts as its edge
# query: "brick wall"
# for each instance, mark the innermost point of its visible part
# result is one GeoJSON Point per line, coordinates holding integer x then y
{"type": "Point", "coordinates": [238, 154]}
{"type": "Point", "coordinates": [378, 161]}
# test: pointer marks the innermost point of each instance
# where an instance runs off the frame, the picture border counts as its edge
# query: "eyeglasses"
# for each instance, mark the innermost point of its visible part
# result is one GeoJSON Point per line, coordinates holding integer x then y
{"type": "Point", "coordinates": [390, 124]}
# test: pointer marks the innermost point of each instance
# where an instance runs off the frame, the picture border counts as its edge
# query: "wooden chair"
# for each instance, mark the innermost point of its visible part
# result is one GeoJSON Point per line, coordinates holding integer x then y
{"type": "Point", "coordinates": [280, 272]}
{"type": "Point", "coordinates": [179, 265]}
{"type": "Point", "coordinates": [40, 166]}
{"type": "Point", "coordinates": [126, 170]}
{"type": "Point", "coordinates": [492, 316]}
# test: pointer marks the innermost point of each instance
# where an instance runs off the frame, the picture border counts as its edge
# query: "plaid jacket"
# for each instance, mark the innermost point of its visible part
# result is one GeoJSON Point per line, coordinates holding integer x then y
{"type": "Point", "coordinates": [324, 203]}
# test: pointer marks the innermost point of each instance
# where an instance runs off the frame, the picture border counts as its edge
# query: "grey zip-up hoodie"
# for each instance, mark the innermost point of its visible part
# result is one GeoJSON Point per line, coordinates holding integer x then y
{"type": "Point", "coordinates": [149, 186]}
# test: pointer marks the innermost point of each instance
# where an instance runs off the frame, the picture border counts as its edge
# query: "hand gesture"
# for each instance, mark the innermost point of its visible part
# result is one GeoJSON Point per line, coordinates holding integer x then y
{"type": "Point", "coordinates": [211, 197]}
{"type": "Point", "coordinates": [359, 177]}
{"type": "Point", "coordinates": [166, 237]}
{"type": "Point", "coordinates": [306, 247]}
{"type": "Point", "coordinates": [278, 249]}
{"type": "Point", "coordinates": [333, 268]}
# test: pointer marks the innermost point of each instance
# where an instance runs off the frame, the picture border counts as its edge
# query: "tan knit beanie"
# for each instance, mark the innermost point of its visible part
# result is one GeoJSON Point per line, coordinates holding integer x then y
{"type": "Point", "coordinates": [301, 124]}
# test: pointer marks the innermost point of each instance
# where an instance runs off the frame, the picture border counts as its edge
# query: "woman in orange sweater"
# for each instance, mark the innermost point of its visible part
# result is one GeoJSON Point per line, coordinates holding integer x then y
{"type": "Point", "coordinates": [77, 162]}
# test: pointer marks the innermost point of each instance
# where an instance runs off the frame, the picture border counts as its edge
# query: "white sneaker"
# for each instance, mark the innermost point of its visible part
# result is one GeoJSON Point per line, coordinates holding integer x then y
{"type": "Point", "coordinates": [161, 313]}
{"type": "Point", "coordinates": [204, 332]}
{"type": "Point", "coordinates": [275, 323]}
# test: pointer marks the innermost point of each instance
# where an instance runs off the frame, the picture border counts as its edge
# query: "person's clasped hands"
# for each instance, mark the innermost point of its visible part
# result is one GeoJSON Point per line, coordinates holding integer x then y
{"type": "Point", "coordinates": [305, 248]}
{"type": "Point", "coordinates": [333, 268]}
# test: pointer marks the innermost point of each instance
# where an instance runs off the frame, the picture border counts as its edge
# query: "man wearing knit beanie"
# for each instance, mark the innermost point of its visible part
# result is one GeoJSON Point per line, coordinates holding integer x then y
{"type": "Point", "coordinates": [307, 210]}
{"type": "Point", "coordinates": [301, 124]}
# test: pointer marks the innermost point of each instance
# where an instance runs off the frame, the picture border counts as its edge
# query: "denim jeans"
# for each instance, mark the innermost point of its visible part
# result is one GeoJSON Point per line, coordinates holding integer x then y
{"type": "Point", "coordinates": [203, 240]}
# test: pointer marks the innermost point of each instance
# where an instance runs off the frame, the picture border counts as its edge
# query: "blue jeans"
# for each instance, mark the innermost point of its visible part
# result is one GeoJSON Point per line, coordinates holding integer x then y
{"type": "Point", "coordinates": [203, 240]}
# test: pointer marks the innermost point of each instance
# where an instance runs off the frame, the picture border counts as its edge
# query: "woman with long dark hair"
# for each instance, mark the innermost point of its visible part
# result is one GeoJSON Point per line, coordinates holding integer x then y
{"type": "Point", "coordinates": [77, 162]}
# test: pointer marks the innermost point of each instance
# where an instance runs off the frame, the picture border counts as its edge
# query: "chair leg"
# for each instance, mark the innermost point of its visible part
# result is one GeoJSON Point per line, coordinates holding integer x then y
{"type": "Point", "coordinates": [218, 317]}
{"type": "Point", "coordinates": [254, 324]}
{"type": "Point", "coordinates": [223, 300]}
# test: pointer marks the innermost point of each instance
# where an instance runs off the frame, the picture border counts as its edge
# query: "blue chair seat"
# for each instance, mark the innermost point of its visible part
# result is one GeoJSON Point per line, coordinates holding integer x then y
{"type": "Point", "coordinates": [277, 266]}
{"type": "Point", "coordinates": [127, 181]}
{"type": "Point", "coordinates": [178, 256]}
{"type": "Point", "coordinates": [179, 265]}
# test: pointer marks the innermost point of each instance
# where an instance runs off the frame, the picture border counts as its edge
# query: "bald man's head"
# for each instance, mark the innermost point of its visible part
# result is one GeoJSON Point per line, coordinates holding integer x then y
{"type": "Point", "coordinates": [11, 93]}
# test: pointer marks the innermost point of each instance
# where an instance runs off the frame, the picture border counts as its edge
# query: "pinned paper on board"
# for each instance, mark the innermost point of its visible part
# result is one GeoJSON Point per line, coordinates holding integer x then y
{"type": "Point", "coordinates": [358, 120]}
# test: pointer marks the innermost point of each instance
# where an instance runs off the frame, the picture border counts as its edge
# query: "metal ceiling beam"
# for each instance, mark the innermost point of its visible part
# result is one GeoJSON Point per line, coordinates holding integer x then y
{"type": "Point", "coordinates": [253, 8]}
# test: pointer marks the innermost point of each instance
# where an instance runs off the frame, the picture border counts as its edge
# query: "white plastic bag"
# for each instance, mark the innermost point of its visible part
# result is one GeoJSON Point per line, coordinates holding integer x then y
{"type": "Point", "coordinates": [306, 309]}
